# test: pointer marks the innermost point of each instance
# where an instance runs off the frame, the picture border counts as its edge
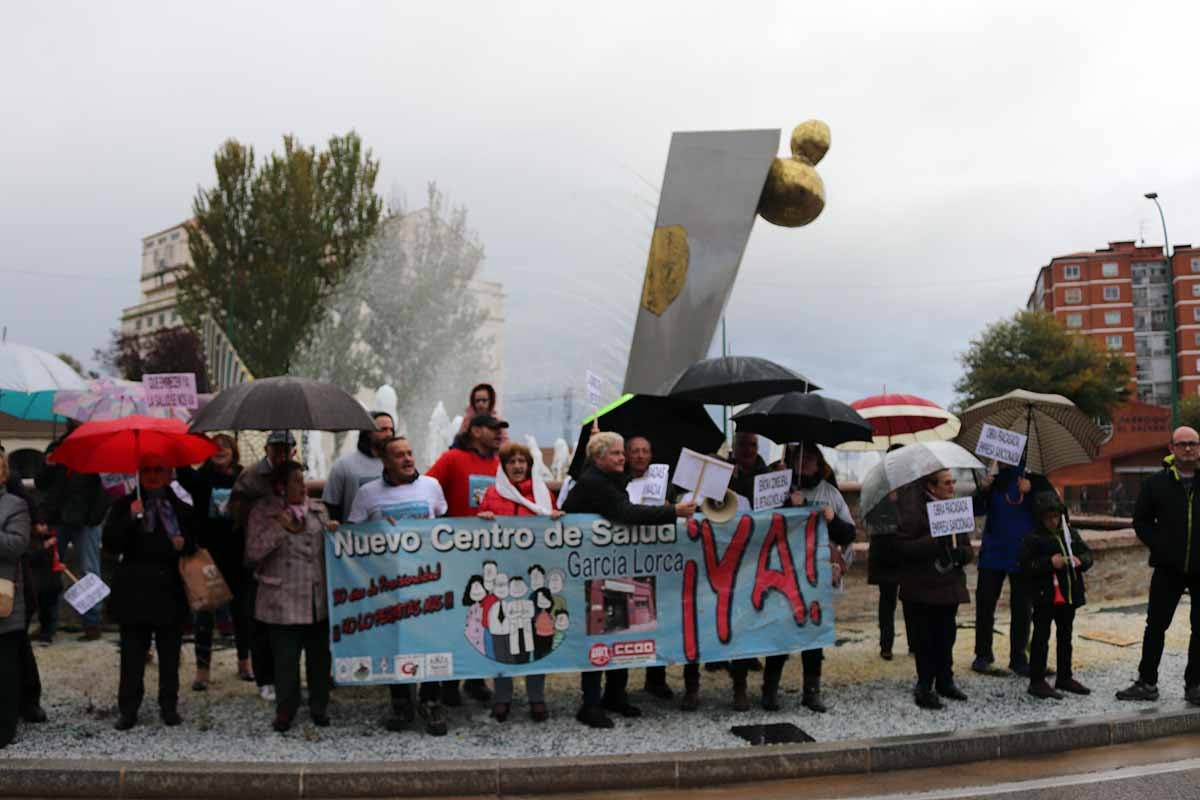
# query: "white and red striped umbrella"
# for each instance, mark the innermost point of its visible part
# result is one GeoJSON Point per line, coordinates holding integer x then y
{"type": "Point", "coordinates": [903, 419]}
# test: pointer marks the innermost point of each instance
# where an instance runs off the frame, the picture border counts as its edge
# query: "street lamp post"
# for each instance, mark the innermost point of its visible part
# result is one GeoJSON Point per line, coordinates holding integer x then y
{"type": "Point", "coordinates": [1153, 196]}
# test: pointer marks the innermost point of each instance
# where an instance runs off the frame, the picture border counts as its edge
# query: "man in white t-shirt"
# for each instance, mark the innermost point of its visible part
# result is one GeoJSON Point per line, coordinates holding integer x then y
{"type": "Point", "coordinates": [353, 470]}
{"type": "Point", "coordinates": [402, 493]}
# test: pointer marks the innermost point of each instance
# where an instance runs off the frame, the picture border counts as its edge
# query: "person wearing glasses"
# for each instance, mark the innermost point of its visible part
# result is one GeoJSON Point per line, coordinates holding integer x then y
{"type": "Point", "coordinates": [1165, 519]}
{"type": "Point", "coordinates": [932, 586]}
{"type": "Point", "coordinates": [148, 532]}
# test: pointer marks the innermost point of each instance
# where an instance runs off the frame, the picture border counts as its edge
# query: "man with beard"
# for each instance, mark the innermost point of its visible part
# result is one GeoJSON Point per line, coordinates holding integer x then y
{"type": "Point", "coordinates": [354, 469]}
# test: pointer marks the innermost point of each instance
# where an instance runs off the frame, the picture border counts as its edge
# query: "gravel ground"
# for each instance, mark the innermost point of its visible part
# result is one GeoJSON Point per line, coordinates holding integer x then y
{"type": "Point", "coordinates": [868, 697]}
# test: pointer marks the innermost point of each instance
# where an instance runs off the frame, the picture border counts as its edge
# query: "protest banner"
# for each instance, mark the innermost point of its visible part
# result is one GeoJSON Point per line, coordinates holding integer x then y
{"type": "Point", "coordinates": [653, 485]}
{"type": "Point", "coordinates": [86, 592]}
{"type": "Point", "coordinates": [948, 517]}
{"type": "Point", "coordinates": [771, 489]}
{"type": "Point", "coordinates": [1001, 444]}
{"type": "Point", "coordinates": [469, 598]}
{"type": "Point", "coordinates": [170, 390]}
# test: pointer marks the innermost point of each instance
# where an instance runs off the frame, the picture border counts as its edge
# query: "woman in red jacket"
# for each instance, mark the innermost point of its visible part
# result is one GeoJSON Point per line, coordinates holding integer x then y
{"type": "Point", "coordinates": [519, 493]}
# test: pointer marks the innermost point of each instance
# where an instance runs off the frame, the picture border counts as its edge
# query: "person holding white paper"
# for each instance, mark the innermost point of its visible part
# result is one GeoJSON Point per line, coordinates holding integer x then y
{"type": "Point", "coordinates": [932, 586]}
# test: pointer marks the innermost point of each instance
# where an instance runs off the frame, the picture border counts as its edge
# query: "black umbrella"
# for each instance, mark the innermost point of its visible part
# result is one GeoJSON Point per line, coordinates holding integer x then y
{"type": "Point", "coordinates": [733, 380]}
{"type": "Point", "coordinates": [797, 417]}
{"type": "Point", "coordinates": [283, 403]}
{"type": "Point", "coordinates": [670, 425]}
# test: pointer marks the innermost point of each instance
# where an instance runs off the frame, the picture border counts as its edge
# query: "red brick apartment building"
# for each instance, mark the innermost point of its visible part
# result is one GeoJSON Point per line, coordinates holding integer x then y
{"type": "Point", "coordinates": [1118, 296]}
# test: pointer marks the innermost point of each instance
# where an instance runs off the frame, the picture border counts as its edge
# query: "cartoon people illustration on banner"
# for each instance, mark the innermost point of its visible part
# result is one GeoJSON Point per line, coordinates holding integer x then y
{"type": "Point", "coordinates": [512, 619]}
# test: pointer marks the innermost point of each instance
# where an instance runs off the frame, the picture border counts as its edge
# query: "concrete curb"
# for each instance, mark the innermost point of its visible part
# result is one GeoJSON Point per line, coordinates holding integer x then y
{"type": "Point", "coordinates": [492, 777]}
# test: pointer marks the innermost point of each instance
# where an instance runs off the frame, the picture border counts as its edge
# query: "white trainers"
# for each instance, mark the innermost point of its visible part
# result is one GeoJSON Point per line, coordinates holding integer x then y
{"type": "Point", "coordinates": [267, 693]}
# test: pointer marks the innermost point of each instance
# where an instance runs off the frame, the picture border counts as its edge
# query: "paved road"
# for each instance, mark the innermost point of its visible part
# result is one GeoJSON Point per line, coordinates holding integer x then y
{"type": "Point", "coordinates": [1162, 769]}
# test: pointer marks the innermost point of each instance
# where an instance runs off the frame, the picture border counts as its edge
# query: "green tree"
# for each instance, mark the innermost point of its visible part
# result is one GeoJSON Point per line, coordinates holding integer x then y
{"type": "Point", "coordinates": [270, 243]}
{"type": "Point", "coordinates": [175, 349]}
{"type": "Point", "coordinates": [404, 315]}
{"type": "Point", "coordinates": [1189, 411]}
{"type": "Point", "coordinates": [1035, 351]}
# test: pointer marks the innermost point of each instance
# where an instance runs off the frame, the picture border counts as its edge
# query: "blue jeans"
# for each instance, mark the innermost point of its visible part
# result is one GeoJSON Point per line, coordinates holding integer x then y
{"type": "Point", "coordinates": [87, 543]}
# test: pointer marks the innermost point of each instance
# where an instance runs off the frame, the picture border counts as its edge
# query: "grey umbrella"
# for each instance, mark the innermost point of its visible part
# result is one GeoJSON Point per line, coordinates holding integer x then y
{"type": "Point", "coordinates": [283, 403]}
{"type": "Point", "coordinates": [733, 380]}
{"type": "Point", "coordinates": [1059, 433]}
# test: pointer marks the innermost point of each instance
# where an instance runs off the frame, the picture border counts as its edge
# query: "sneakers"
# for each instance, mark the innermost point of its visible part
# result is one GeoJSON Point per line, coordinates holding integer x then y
{"type": "Point", "coordinates": [434, 716]}
{"type": "Point", "coordinates": [1041, 690]}
{"type": "Point", "coordinates": [267, 693]}
{"type": "Point", "coordinates": [927, 698]}
{"type": "Point", "coordinates": [594, 717]}
{"type": "Point", "coordinates": [1139, 691]}
{"type": "Point", "coordinates": [1071, 685]}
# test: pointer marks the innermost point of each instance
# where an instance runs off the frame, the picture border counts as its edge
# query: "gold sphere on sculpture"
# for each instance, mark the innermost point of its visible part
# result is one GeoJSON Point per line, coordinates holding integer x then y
{"type": "Point", "coordinates": [794, 194]}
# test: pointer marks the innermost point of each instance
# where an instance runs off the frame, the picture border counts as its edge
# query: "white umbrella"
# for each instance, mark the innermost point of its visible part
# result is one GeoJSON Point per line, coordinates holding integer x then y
{"type": "Point", "coordinates": [1059, 433]}
{"type": "Point", "coordinates": [911, 463]}
{"type": "Point", "coordinates": [29, 377]}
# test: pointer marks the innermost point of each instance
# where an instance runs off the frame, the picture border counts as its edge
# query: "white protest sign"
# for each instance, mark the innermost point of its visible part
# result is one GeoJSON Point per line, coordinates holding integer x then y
{"type": "Point", "coordinates": [594, 384]}
{"type": "Point", "coordinates": [703, 475]}
{"type": "Point", "coordinates": [1003, 445]}
{"type": "Point", "coordinates": [654, 488]}
{"type": "Point", "coordinates": [948, 517]}
{"type": "Point", "coordinates": [771, 489]}
{"type": "Point", "coordinates": [170, 390]}
{"type": "Point", "coordinates": [86, 592]}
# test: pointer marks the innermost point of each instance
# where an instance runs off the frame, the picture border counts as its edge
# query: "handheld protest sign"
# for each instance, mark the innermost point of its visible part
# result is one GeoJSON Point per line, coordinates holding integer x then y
{"type": "Point", "coordinates": [771, 489]}
{"type": "Point", "coordinates": [654, 488]}
{"type": "Point", "coordinates": [171, 390]}
{"type": "Point", "coordinates": [86, 593]}
{"type": "Point", "coordinates": [951, 517]}
{"type": "Point", "coordinates": [594, 385]}
{"type": "Point", "coordinates": [1001, 444]}
{"type": "Point", "coordinates": [702, 475]}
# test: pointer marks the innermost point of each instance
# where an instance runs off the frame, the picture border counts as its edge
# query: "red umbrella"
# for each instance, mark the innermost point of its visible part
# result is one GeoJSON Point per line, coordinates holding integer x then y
{"type": "Point", "coordinates": [118, 445]}
{"type": "Point", "coordinates": [903, 419]}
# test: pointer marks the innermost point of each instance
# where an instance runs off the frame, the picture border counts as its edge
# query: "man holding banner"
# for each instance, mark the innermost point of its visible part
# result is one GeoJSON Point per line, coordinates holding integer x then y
{"type": "Point", "coordinates": [601, 490]}
{"type": "Point", "coordinates": [403, 493]}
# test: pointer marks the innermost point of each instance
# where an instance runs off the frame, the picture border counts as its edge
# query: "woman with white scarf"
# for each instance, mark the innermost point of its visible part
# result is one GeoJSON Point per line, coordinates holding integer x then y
{"type": "Point", "coordinates": [518, 492]}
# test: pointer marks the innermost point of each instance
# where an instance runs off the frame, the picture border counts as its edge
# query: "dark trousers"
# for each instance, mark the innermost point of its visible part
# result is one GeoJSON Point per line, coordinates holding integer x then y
{"type": "Point", "coordinates": [10, 683]}
{"type": "Point", "coordinates": [614, 687]}
{"type": "Point", "coordinates": [1166, 587]}
{"type": "Point", "coordinates": [657, 676]}
{"type": "Point", "coordinates": [261, 659]}
{"type": "Point", "coordinates": [48, 613]}
{"type": "Point", "coordinates": [1063, 618]}
{"type": "Point", "coordinates": [402, 693]}
{"type": "Point", "coordinates": [773, 669]}
{"type": "Point", "coordinates": [932, 631]}
{"type": "Point", "coordinates": [135, 643]}
{"type": "Point", "coordinates": [31, 679]}
{"type": "Point", "coordinates": [239, 609]}
{"type": "Point", "coordinates": [889, 594]}
{"type": "Point", "coordinates": [286, 643]}
{"type": "Point", "coordinates": [987, 594]}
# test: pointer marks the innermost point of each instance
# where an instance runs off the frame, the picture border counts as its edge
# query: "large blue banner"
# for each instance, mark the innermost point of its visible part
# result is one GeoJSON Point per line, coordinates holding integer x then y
{"type": "Point", "coordinates": [473, 598]}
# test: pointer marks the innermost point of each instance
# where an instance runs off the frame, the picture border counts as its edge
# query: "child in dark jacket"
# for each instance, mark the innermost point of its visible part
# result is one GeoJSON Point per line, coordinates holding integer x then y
{"type": "Point", "coordinates": [1055, 570]}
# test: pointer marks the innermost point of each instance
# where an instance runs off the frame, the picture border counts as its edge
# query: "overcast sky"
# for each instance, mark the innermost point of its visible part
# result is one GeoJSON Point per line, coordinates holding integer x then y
{"type": "Point", "coordinates": [970, 145]}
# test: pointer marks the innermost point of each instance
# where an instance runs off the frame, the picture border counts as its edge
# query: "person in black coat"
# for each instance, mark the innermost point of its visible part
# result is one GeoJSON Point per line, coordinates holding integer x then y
{"type": "Point", "coordinates": [1054, 570]}
{"type": "Point", "coordinates": [31, 681]}
{"type": "Point", "coordinates": [210, 487]}
{"type": "Point", "coordinates": [149, 533]}
{"type": "Point", "coordinates": [601, 490]}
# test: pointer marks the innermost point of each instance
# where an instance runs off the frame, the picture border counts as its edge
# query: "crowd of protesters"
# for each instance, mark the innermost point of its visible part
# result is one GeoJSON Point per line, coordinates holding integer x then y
{"type": "Point", "coordinates": [266, 536]}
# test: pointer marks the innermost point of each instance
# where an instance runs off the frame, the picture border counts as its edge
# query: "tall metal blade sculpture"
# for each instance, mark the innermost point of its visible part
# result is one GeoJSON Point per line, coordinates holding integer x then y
{"type": "Point", "coordinates": [715, 182]}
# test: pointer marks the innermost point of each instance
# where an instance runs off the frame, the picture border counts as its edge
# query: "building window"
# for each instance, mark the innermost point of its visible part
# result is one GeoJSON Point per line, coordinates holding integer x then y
{"type": "Point", "coordinates": [1071, 272]}
{"type": "Point", "coordinates": [1196, 313]}
{"type": "Point", "coordinates": [1109, 270]}
{"type": "Point", "coordinates": [1112, 317]}
{"type": "Point", "coordinates": [175, 236]}
{"type": "Point", "coordinates": [1112, 292]}
{"type": "Point", "coordinates": [1073, 296]}
{"type": "Point", "coordinates": [1196, 290]}
{"type": "Point", "coordinates": [1196, 340]}
{"type": "Point", "coordinates": [1196, 265]}
{"type": "Point", "coordinates": [1076, 320]}
{"type": "Point", "coordinates": [1115, 342]}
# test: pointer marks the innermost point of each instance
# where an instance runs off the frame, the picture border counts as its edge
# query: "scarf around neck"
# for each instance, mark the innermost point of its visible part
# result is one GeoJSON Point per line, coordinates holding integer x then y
{"type": "Point", "coordinates": [541, 504]}
{"type": "Point", "coordinates": [159, 509]}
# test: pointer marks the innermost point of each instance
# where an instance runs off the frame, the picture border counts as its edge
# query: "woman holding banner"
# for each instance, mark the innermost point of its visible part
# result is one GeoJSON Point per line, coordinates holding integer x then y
{"type": "Point", "coordinates": [149, 531]}
{"type": "Point", "coordinates": [210, 487]}
{"type": "Point", "coordinates": [519, 492]}
{"type": "Point", "coordinates": [932, 585]}
{"type": "Point", "coordinates": [285, 537]}
{"type": "Point", "coordinates": [601, 490]}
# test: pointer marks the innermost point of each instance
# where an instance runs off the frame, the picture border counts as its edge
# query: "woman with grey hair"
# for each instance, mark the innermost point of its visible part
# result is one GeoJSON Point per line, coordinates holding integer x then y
{"type": "Point", "coordinates": [601, 490]}
{"type": "Point", "coordinates": [14, 541]}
